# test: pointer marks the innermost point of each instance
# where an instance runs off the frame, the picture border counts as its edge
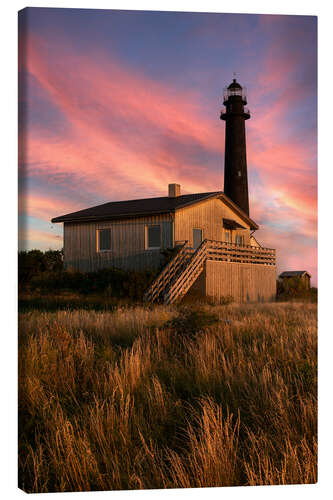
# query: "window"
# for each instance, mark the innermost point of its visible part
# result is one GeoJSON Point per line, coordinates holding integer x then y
{"type": "Point", "coordinates": [239, 239]}
{"type": "Point", "coordinates": [153, 238]}
{"type": "Point", "coordinates": [227, 236]}
{"type": "Point", "coordinates": [104, 240]}
{"type": "Point", "coordinates": [197, 238]}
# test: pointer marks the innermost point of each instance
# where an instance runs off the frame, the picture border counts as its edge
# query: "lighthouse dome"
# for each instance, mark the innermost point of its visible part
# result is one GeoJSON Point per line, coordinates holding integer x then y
{"type": "Point", "coordinates": [234, 85]}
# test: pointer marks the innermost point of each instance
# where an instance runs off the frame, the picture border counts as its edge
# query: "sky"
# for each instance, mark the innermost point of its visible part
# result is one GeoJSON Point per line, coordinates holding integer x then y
{"type": "Point", "coordinates": [115, 105]}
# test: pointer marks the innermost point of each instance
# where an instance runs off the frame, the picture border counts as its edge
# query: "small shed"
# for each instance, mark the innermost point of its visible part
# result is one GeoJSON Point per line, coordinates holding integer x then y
{"type": "Point", "coordinates": [304, 276]}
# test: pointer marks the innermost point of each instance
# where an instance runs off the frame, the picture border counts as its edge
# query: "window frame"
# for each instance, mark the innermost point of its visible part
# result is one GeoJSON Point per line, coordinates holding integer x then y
{"type": "Point", "coordinates": [202, 235]}
{"type": "Point", "coordinates": [147, 227]}
{"type": "Point", "coordinates": [241, 237]}
{"type": "Point", "coordinates": [229, 233]}
{"type": "Point", "coordinates": [98, 230]}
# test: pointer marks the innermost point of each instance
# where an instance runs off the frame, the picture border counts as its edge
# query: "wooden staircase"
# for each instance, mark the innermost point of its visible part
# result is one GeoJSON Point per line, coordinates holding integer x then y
{"type": "Point", "coordinates": [177, 277]}
{"type": "Point", "coordinates": [188, 275]}
{"type": "Point", "coordinates": [161, 284]}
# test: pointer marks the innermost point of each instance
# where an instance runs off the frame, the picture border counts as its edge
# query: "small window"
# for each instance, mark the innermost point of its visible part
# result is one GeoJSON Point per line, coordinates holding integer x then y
{"type": "Point", "coordinates": [239, 239]}
{"type": "Point", "coordinates": [153, 236]}
{"type": "Point", "coordinates": [104, 240]}
{"type": "Point", "coordinates": [227, 236]}
{"type": "Point", "coordinates": [197, 237]}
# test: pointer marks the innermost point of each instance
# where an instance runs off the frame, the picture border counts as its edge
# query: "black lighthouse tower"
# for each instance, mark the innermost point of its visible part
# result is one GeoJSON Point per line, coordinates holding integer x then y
{"type": "Point", "coordinates": [235, 167]}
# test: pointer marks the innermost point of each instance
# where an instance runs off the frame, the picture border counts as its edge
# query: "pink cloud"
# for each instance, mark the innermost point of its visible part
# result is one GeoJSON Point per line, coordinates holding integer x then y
{"type": "Point", "coordinates": [286, 166]}
{"type": "Point", "coordinates": [44, 240]}
{"type": "Point", "coordinates": [97, 153]}
{"type": "Point", "coordinates": [43, 206]}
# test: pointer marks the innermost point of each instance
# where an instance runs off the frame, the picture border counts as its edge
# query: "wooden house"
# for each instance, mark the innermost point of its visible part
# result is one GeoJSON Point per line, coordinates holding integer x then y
{"type": "Point", "coordinates": [212, 233]}
{"type": "Point", "coordinates": [288, 277]}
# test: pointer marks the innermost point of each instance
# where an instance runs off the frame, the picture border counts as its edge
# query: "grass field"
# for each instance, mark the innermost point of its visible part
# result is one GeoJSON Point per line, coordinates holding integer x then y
{"type": "Point", "coordinates": [167, 397]}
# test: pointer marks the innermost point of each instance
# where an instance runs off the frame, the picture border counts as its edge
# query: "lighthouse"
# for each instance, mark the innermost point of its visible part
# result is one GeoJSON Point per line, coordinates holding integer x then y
{"type": "Point", "coordinates": [235, 166]}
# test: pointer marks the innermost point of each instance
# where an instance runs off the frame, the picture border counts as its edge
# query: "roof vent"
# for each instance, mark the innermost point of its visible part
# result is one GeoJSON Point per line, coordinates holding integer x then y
{"type": "Point", "coordinates": [174, 190]}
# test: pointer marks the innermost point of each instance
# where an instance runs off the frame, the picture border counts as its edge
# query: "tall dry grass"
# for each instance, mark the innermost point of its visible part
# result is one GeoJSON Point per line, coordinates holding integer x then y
{"type": "Point", "coordinates": [121, 401]}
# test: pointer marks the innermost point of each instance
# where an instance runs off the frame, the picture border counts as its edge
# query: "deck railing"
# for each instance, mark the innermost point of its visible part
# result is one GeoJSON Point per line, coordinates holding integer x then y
{"type": "Point", "coordinates": [181, 272]}
{"type": "Point", "coordinates": [246, 254]}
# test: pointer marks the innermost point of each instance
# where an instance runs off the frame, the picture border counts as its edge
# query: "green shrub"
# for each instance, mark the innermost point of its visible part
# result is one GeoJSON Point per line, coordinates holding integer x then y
{"type": "Point", "coordinates": [191, 321]}
{"type": "Point", "coordinates": [109, 282]}
{"type": "Point", "coordinates": [34, 262]}
{"type": "Point", "coordinates": [51, 303]}
{"type": "Point", "coordinates": [295, 288]}
{"type": "Point", "coordinates": [220, 301]}
{"type": "Point", "coordinates": [43, 271]}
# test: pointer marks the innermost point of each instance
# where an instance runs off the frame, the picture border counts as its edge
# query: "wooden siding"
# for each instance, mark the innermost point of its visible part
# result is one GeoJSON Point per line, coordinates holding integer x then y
{"type": "Point", "coordinates": [207, 215]}
{"type": "Point", "coordinates": [128, 245]}
{"type": "Point", "coordinates": [128, 237]}
{"type": "Point", "coordinates": [254, 242]}
{"type": "Point", "coordinates": [244, 282]}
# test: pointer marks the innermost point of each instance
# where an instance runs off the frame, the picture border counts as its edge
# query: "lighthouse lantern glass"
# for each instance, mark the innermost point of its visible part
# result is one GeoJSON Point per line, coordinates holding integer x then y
{"type": "Point", "coordinates": [234, 92]}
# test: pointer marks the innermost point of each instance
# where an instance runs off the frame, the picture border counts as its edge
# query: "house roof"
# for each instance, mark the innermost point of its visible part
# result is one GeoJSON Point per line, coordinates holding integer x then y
{"type": "Point", "coordinates": [293, 274]}
{"type": "Point", "coordinates": [232, 224]}
{"type": "Point", "coordinates": [147, 206]}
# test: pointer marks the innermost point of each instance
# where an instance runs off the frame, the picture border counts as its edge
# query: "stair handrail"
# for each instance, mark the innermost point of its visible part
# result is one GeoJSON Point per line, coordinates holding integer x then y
{"type": "Point", "coordinates": [166, 273]}
{"type": "Point", "coordinates": [184, 278]}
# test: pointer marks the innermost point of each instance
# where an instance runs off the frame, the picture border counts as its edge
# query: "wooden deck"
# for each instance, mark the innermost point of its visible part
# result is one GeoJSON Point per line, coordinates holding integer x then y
{"type": "Point", "coordinates": [183, 270]}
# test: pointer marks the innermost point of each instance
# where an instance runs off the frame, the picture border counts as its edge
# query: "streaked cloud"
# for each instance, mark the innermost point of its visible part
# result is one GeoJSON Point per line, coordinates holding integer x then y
{"type": "Point", "coordinates": [107, 130]}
